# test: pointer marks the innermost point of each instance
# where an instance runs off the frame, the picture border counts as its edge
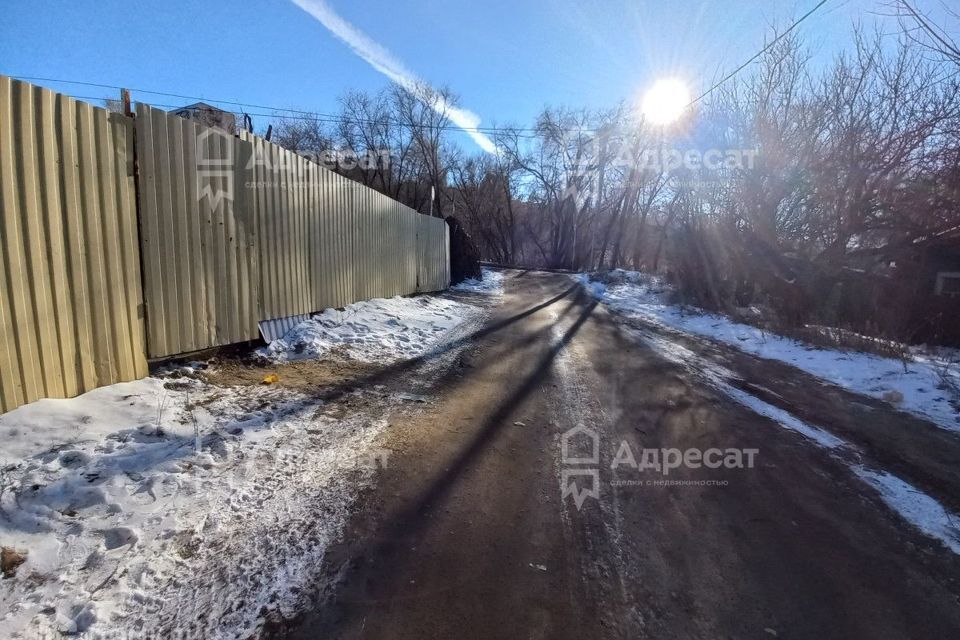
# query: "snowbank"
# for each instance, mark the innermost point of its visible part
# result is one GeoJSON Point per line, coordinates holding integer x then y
{"type": "Point", "coordinates": [641, 296]}
{"type": "Point", "coordinates": [118, 515]}
{"type": "Point", "coordinates": [381, 330]}
{"type": "Point", "coordinates": [46, 424]}
{"type": "Point", "coordinates": [492, 283]}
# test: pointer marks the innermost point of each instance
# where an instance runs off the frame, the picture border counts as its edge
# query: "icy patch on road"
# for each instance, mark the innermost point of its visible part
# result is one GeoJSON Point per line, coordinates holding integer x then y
{"type": "Point", "coordinates": [382, 330]}
{"type": "Point", "coordinates": [924, 394]}
{"type": "Point", "coordinates": [718, 377]}
{"type": "Point", "coordinates": [783, 418]}
{"type": "Point", "coordinates": [915, 507]}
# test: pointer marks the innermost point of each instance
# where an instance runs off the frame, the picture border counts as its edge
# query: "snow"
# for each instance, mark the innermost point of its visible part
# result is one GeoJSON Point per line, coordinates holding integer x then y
{"type": "Point", "coordinates": [491, 283]}
{"type": "Point", "coordinates": [718, 377]}
{"type": "Point", "coordinates": [915, 507]}
{"type": "Point", "coordinates": [122, 507]}
{"type": "Point", "coordinates": [45, 424]}
{"type": "Point", "coordinates": [594, 288]}
{"type": "Point", "coordinates": [117, 505]}
{"type": "Point", "coordinates": [918, 379]}
{"type": "Point", "coordinates": [369, 331]}
{"type": "Point", "coordinates": [379, 329]}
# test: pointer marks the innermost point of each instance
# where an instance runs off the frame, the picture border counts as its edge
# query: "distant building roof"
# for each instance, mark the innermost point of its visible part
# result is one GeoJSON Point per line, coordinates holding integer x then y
{"type": "Point", "coordinates": [200, 105]}
{"type": "Point", "coordinates": [208, 115]}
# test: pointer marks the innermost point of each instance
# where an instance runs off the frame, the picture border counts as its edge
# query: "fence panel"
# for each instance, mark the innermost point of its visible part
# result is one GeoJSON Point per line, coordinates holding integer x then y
{"type": "Point", "coordinates": [198, 235]}
{"type": "Point", "coordinates": [231, 231]}
{"type": "Point", "coordinates": [433, 254]}
{"type": "Point", "coordinates": [70, 294]}
{"type": "Point", "coordinates": [326, 240]}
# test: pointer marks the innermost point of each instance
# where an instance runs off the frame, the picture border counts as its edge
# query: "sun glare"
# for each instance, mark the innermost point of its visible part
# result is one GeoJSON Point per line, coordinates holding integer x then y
{"type": "Point", "coordinates": [665, 101]}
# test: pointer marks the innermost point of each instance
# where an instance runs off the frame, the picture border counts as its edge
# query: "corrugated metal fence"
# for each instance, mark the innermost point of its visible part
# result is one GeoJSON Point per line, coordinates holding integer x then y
{"type": "Point", "coordinates": [70, 295]}
{"type": "Point", "coordinates": [326, 241]}
{"type": "Point", "coordinates": [433, 254]}
{"type": "Point", "coordinates": [200, 254]}
{"type": "Point", "coordinates": [229, 232]}
{"type": "Point", "coordinates": [232, 231]}
{"type": "Point", "coordinates": [260, 233]}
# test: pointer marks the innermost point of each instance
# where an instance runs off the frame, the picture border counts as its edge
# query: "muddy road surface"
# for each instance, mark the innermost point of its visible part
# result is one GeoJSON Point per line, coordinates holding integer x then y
{"type": "Point", "coordinates": [537, 494]}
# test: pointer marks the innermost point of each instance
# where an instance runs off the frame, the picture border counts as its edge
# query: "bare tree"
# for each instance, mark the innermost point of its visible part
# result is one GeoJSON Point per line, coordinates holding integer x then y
{"type": "Point", "coordinates": [921, 29]}
{"type": "Point", "coordinates": [425, 111]}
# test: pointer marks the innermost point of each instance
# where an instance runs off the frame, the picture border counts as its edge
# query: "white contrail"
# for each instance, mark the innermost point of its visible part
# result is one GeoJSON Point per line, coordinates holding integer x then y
{"type": "Point", "coordinates": [384, 62]}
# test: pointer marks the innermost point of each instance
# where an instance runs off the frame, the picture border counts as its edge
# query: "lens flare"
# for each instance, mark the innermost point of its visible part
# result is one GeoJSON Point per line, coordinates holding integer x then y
{"type": "Point", "coordinates": [665, 101]}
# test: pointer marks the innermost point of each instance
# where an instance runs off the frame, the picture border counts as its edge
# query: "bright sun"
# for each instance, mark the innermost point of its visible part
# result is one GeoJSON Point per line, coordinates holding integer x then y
{"type": "Point", "coordinates": [665, 101]}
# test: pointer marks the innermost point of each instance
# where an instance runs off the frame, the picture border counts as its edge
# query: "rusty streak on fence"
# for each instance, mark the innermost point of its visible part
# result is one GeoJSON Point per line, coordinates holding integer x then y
{"type": "Point", "coordinates": [70, 294]}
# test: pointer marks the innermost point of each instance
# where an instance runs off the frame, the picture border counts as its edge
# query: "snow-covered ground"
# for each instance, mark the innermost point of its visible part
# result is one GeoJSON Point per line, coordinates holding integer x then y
{"type": "Point", "coordinates": [170, 507]}
{"type": "Point", "coordinates": [491, 283]}
{"type": "Point", "coordinates": [116, 521]}
{"type": "Point", "coordinates": [374, 329]}
{"type": "Point", "coordinates": [919, 380]}
{"type": "Point", "coordinates": [915, 507]}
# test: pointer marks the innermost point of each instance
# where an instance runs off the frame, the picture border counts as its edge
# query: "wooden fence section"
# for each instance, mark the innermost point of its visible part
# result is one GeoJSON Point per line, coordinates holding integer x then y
{"type": "Point", "coordinates": [70, 294]}
{"type": "Point", "coordinates": [198, 235]}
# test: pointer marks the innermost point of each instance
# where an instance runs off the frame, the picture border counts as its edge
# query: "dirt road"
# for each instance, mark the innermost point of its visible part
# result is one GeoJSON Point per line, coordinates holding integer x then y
{"type": "Point", "coordinates": [467, 534]}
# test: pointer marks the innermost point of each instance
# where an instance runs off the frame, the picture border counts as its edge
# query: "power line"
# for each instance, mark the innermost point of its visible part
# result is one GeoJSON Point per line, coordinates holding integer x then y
{"type": "Point", "coordinates": [945, 42]}
{"type": "Point", "coordinates": [305, 115]}
{"type": "Point", "coordinates": [310, 117]}
{"type": "Point", "coordinates": [756, 55]}
{"type": "Point", "coordinates": [333, 118]}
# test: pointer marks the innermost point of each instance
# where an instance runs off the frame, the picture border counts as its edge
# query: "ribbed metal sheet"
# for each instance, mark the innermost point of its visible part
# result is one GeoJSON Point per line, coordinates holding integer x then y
{"type": "Point", "coordinates": [296, 239]}
{"type": "Point", "coordinates": [325, 240]}
{"type": "Point", "coordinates": [200, 253]}
{"type": "Point", "coordinates": [433, 254]}
{"type": "Point", "coordinates": [70, 294]}
{"type": "Point", "coordinates": [273, 329]}
{"type": "Point", "coordinates": [291, 238]}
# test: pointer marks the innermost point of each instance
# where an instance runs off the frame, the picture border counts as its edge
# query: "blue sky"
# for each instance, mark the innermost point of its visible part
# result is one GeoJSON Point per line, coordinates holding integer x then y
{"type": "Point", "coordinates": [506, 59]}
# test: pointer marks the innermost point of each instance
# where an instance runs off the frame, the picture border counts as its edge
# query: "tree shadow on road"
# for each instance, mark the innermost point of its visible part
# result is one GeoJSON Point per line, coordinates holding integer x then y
{"type": "Point", "coordinates": [410, 520]}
